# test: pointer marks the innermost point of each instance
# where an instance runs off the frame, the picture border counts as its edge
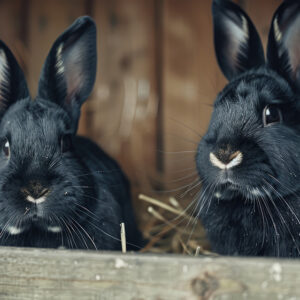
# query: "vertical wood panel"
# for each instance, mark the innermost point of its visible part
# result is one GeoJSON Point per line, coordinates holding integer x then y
{"type": "Point", "coordinates": [12, 17]}
{"type": "Point", "coordinates": [10, 20]}
{"type": "Point", "coordinates": [191, 78]}
{"type": "Point", "coordinates": [122, 114]}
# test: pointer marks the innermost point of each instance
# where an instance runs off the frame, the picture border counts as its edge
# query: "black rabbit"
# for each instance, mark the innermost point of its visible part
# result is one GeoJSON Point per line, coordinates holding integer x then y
{"type": "Point", "coordinates": [249, 159]}
{"type": "Point", "coordinates": [56, 188]}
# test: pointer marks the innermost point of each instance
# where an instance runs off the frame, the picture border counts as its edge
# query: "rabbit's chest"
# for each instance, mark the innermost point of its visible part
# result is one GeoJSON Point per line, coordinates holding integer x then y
{"type": "Point", "coordinates": [253, 229]}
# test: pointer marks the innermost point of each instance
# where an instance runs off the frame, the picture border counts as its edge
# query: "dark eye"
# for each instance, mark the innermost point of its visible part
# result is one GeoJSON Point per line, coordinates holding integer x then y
{"type": "Point", "coordinates": [271, 115]}
{"type": "Point", "coordinates": [6, 147]}
{"type": "Point", "coordinates": [66, 143]}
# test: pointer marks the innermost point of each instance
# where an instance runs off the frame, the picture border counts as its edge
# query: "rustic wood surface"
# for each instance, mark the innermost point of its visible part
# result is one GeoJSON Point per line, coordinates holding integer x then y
{"type": "Point", "coordinates": [61, 274]}
{"type": "Point", "coordinates": [122, 110]}
{"type": "Point", "coordinates": [191, 80]}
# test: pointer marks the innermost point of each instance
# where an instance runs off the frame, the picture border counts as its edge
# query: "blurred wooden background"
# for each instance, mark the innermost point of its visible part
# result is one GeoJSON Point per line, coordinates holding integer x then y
{"type": "Point", "coordinates": [157, 76]}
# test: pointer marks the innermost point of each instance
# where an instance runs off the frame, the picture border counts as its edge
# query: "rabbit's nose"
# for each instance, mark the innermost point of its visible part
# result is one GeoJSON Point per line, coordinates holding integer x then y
{"type": "Point", "coordinates": [35, 192]}
{"type": "Point", "coordinates": [225, 160]}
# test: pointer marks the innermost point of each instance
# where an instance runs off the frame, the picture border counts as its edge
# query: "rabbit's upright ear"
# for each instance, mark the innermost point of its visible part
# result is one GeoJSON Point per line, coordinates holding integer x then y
{"type": "Point", "coordinates": [284, 42]}
{"type": "Point", "coordinates": [237, 44]}
{"type": "Point", "coordinates": [13, 86]}
{"type": "Point", "coordinates": [69, 72]}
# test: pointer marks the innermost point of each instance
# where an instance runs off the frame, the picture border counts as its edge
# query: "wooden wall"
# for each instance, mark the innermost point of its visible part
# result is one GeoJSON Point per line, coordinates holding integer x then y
{"type": "Point", "coordinates": [157, 75]}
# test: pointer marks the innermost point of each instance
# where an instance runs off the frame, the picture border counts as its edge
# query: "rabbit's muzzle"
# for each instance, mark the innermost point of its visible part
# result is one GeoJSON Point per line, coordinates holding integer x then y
{"type": "Point", "coordinates": [35, 192]}
{"type": "Point", "coordinates": [225, 160]}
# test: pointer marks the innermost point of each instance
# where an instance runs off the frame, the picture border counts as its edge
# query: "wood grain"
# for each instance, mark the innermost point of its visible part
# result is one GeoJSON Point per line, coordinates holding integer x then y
{"type": "Point", "coordinates": [122, 113]}
{"type": "Point", "coordinates": [191, 79]}
{"type": "Point", "coordinates": [61, 274]}
{"type": "Point", "coordinates": [12, 30]}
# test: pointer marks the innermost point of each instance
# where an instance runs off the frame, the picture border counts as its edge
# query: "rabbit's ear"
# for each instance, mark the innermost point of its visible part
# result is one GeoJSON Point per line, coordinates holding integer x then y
{"type": "Point", "coordinates": [13, 86]}
{"type": "Point", "coordinates": [69, 72]}
{"type": "Point", "coordinates": [237, 44]}
{"type": "Point", "coordinates": [284, 42]}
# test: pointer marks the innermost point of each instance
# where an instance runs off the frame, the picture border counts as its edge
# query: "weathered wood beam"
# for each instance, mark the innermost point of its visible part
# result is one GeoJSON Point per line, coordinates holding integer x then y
{"type": "Point", "coordinates": [63, 274]}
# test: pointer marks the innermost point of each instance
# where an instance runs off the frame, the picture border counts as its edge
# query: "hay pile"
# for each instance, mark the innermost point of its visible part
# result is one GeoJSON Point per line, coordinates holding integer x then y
{"type": "Point", "coordinates": [171, 229]}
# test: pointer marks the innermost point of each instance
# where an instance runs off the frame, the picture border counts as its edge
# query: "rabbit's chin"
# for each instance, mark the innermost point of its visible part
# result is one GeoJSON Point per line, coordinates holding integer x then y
{"type": "Point", "coordinates": [231, 191]}
{"type": "Point", "coordinates": [34, 220]}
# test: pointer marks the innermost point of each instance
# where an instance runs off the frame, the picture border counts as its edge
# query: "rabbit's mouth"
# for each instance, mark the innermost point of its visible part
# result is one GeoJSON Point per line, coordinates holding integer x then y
{"type": "Point", "coordinates": [41, 222]}
{"type": "Point", "coordinates": [229, 191]}
{"type": "Point", "coordinates": [35, 216]}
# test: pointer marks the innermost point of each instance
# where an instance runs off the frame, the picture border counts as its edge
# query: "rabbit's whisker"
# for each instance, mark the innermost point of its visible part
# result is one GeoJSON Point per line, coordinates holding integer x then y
{"type": "Point", "coordinates": [177, 152]}
{"type": "Point", "coordinates": [272, 220]}
{"type": "Point", "coordinates": [288, 190]}
{"type": "Point", "coordinates": [73, 227]}
{"type": "Point", "coordinates": [185, 170]}
{"type": "Point", "coordinates": [86, 233]}
{"type": "Point", "coordinates": [60, 225]}
{"type": "Point", "coordinates": [184, 215]}
{"type": "Point", "coordinates": [196, 183]}
{"type": "Point", "coordinates": [88, 213]}
{"type": "Point", "coordinates": [177, 189]}
{"type": "Point", "coordinates": [198, 203]}
{"type": "Point", "coordinates": [183, 139]}
{"type": "Point", "coordinates": [97, 172]}
{"type": "Point", "coordinates": [71, 238]}
{"type": "Point", "coordinates": [187, 127]}
{"type": "Point", "coordinates": [182, 178]}
{"type": "Point", "coordinates": [202, 202]}
{"type": "Point", "coordinates": [257, 201]}
{"type": "Point", "coordinates": [280, 215]}
{"type": "Point", "coordinates": [13, 217]}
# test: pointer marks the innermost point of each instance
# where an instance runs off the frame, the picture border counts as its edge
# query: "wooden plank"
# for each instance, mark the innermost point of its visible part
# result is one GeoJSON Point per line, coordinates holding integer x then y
{"type": "Point", "coordinates": [11, 21]}
{"type": "Point", "coordinates": [12, 30]}
{"type": "Point", "coordinates": [122, 113]}
{"type": "Point", "coordinates": [191, 79]}
{"type": "Point", "coordinates": [61, 274]}
{"type": "Point", "coordinates": [48, 19]}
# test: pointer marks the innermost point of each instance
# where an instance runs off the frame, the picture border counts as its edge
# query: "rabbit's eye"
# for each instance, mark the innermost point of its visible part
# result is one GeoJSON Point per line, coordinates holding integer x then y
{"type": "Point", "coordinates": [66, 143]}
{"type": "Point", "coordinates": [6, 148]}
{"type": "Point", "coordinates": [271, 115]}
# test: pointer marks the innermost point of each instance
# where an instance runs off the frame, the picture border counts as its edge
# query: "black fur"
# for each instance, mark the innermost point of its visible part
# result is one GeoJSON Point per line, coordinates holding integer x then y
{"type": "Point", "coordinates": [253, 208]}
{"type": "Point", "coordinates": [86, 194]}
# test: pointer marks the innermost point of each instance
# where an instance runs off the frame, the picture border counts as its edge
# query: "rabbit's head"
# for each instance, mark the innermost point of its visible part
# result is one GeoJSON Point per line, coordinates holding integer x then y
{"type": "Point", "coordinates": [251, 148]}
{"type": "Point", "coordinates": [39, 170]}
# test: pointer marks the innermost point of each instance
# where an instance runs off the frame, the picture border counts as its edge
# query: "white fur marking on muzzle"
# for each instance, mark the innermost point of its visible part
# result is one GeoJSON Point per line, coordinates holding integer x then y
{"type": "Point", "coordinates": [36, 201]}
{"type": "Point", "coordinates": [256, 192]}
{"type": "Point", "coordinates": [218, 195]}
{"type": "Point", "coordinates": [54, 229]}
{"type": "Point", "coordinates": [216, 162]}
{"type": "Point", "coordinates": [234, 162]}
{"type": "Point", "coordinates": [14, 230]}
